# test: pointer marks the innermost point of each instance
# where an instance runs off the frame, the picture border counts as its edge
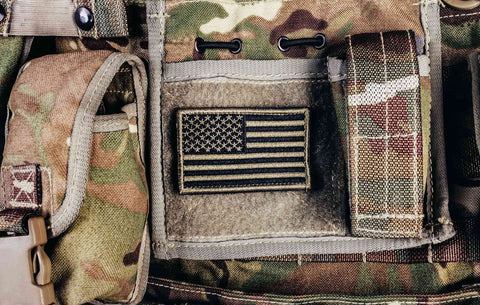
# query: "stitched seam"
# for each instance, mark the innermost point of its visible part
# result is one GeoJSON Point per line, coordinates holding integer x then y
{"type": "Point", "coordinates": [87, 108]}
{"type": "Point", "coordinates": [219, 79]}
{"type": "Point", "coordinates": [354, 139]}
{"type": "Point", "coordinates": [415, 152]}
{"type": "Point", "coordinates": [96, 23]}
{"type": "Point", "coordinates": [460, 15]}
{"type": "Point", "coordinates": [204, 292]}
{"type": "Point", "coordinates": [119, 91]}
{"type": "Point", "coordinates": [80, 35]}
{"type": "Point", "coordinates": [314, 74]}
{"type": "Point", "coordinates": [168, 5]}
{"type": "Point", "coordinates": [258, 235]}
{"type": "Point", "coordinates": [6, 22]}
{"type": "Point", "coordinates": [387, 150]}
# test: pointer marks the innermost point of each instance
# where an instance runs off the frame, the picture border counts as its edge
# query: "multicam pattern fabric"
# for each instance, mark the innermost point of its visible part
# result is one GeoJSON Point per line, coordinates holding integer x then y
{"type": "Point", "coordinates": [259, 24]}
{"type": "Point", "coordinates": [386, 163]}
{"type": "Point", "coordinates": [229, 150]}
{"type": "Point", "coordinates": [99, 256]}
{"type": "Point", "coordinates": [459, 33]}
{"type": "Point", "coordinates": [43, 113]}
{"type": "Point", "coordinates": [463, 247]}
{"type": "Point", "coordinates": [340, 284]}
{"type": "Point", "coordinates": [10, 52]}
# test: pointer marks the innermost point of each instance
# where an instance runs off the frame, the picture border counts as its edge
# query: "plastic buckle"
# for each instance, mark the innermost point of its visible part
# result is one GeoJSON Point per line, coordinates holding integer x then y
{"type": "Point", "coordinates": [25, 276]}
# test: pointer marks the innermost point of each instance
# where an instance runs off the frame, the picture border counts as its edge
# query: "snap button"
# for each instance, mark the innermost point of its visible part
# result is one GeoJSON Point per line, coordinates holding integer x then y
{"type": "Point", "coordinates": [3, 14]}
{"type": "Point", "coordinates": [463, 4]}
{"type": "Point", "coordinates": [84, 18]}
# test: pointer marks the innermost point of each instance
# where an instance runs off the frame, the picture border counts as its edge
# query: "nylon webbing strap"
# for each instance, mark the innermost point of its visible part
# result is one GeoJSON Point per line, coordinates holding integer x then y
{"type": "Point", "coordinates": [20, 195]}
{"type": "Point", "coordinates": [56, 18]}
{"type": "Point", "coordinates": [385, 135]}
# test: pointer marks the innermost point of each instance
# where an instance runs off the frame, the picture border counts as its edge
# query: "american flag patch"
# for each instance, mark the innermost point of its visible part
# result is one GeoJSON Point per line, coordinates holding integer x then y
{"type": "Point", "coordinates": [237, 150]}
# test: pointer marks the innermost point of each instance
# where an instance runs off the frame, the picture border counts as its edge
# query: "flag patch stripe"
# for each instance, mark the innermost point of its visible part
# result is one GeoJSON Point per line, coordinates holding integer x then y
{"type": "Point", "coordinates": [279, 139]}
{"type": "Point", "coordinates": [246, 182]}
{"type": "Point", "coordinates": [244, 171]}
{"type": "Point", "coordinates": [227, 150]}
{"type": "Point", "coordinates": [243, 161]}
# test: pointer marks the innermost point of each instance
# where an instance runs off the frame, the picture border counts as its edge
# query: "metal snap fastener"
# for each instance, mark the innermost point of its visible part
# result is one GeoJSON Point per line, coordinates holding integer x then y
{"type": "Point", "coordinates": [3, 13]}
{"type": "Point", "coordinates": [84, 18]}
{"type": "Point", "coordinates": [463, 4]}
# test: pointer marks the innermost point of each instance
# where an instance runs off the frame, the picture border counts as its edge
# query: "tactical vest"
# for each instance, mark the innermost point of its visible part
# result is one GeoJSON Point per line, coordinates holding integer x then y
{"type": "Point", "coordinates": [240, 152]}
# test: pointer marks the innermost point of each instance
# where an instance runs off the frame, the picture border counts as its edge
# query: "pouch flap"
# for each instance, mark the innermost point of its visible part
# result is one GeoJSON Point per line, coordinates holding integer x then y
{"type": "Point", "coordinates": [53, 106]}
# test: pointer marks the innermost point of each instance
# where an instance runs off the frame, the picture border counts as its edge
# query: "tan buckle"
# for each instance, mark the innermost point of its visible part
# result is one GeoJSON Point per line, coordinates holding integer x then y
{"type": "Point", "coordinates": [25, 268]}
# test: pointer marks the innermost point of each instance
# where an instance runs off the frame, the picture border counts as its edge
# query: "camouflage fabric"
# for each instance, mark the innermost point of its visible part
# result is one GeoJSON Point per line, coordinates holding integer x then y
{"type": "Point", "coordinates": [167, 291]}
{"type": "Point", "coordinates": [259, 24]}
{"type": "Point", "coordinates": [459, 33]}
{"type": "Point", "coordinates": [10, 52]}
{"type": "Point", "coordinates": [43, 114]}
{"type": "Point", "coordinates": [98, 256]}
{"type": "Point", "coordinates": [386, 146]}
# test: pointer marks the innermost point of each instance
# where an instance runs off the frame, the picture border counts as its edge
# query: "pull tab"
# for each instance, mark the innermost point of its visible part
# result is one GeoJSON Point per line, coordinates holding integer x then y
{"type": "Point", "coordinates": [26, 269]}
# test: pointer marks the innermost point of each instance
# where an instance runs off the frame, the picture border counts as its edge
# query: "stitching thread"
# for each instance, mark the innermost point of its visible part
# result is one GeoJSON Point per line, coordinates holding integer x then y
{"type": "Point", "coordinates": [259, 235]}
{"type": "Point", "coordinates": [460, 15]}
{"type": "Point", "coordinates": [222, 1]}
{"type": "Point", "coordinates": [312, 74]}
{"type": "Point", "coordinates": [415, 152]}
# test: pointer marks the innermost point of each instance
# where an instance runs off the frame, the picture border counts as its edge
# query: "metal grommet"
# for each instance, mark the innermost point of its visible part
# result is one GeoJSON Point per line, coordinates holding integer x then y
{"type": "Point", "coordinates": [3, 13]}
{"type": "Point", "coordinates": [279, 44]}
{"type": "Point", "coordinates": [239, 49]}
{"type": "Point", "coordinates": [84, 18]}
{"type": "Point", "coordinates": [322, 44]}
{"type": "Point", "coordinates": [197, 48]}
{"type": "Point", "coordinates": [463, 4]}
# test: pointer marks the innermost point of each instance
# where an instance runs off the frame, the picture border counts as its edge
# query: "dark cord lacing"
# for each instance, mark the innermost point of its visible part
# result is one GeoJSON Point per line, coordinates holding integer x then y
{"type": "Point", "coordinates": [284, 44]}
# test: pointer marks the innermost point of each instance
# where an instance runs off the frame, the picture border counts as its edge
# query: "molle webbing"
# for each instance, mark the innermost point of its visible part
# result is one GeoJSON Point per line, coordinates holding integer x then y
{"type": "Point", "coordinates": [55, 18]}
{"type": "Point", "coordinates": [385, 135]}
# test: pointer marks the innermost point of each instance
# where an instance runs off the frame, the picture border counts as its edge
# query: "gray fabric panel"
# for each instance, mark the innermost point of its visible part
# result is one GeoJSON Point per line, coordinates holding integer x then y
{"type": "Point", "coordinates": [282, 246]}
{"type": "Point", "coordinates": [156, 40]}
{"type": "Point", "coordinates": [439, 211]}
{"type": "Point", "coordinates": [246, 69]}
{"type": "Point", "coordinates": [320, 211]}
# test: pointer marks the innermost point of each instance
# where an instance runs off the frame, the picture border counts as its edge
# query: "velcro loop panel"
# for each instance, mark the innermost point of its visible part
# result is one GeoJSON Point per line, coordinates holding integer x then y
{"type": "Point", "coordinates": [385, 135]}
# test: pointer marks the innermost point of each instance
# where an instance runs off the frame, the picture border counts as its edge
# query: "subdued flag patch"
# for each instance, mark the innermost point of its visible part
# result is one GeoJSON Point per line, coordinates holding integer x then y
{"type": "Point", "coordinates": [236, 150]}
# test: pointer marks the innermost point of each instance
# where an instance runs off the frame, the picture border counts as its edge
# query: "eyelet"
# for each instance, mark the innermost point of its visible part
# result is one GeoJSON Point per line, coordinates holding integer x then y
{"type": "Point", "coordinates": [197, 49]}
{"type": "Point", "coordinates": [279, 44]}
{"type": "Point", "coordinates": [463, 4]}
{"type": "Point", "coordinates": [324, 41]}
{"type": "Point", "coordinates": [239, 49]}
